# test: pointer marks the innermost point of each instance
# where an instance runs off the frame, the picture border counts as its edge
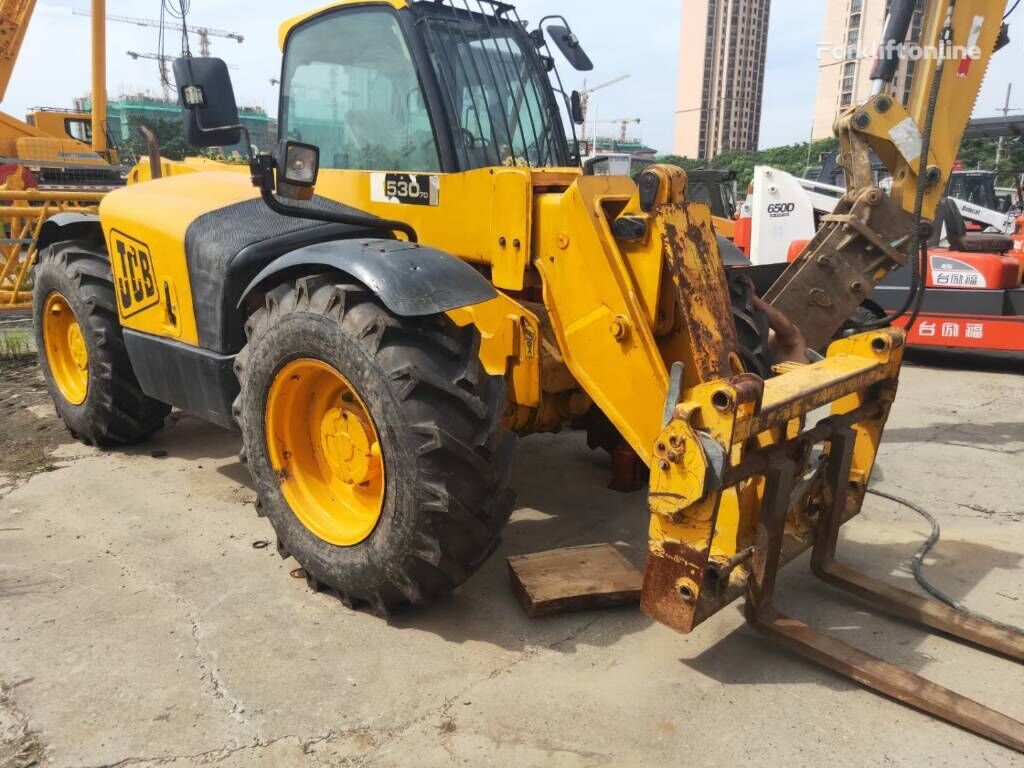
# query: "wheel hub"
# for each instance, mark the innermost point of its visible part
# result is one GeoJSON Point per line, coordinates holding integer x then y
{"type": "Point", "coordinates": [323, 445]}
{"type": "Point", "coordinates": [349, 446]}
{"type": "Point", "coordinates": [67, 355]}
{"type": "Point", "coordinates": [76, 345]}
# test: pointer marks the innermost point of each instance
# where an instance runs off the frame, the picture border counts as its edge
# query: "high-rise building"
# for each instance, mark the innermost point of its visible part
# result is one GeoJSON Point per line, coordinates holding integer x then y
{"type": "Point", "coordinates": [852, 35]}
{"type": "Point", "coordinates": [721, 76]}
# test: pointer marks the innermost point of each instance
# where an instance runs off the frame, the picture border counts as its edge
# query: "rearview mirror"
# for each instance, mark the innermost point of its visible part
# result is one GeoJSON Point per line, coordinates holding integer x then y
{"type": "Point", "coordinates": [209, 110]}
{"type": "Point", "coordinates": [569, 45]}
{"type": "Point", "coordinates": [576, 108]}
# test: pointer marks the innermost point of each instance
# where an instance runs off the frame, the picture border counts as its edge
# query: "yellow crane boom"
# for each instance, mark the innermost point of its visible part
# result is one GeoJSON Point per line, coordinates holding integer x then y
{"type": "Point", "coordinates": [14, 18]}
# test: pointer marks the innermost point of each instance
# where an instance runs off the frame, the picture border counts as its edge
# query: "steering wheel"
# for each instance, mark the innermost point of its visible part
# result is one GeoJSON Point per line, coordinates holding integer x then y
{"type": "Point", "coordinates": [471, 141]}
{"type": "Point", "coordinates": [541, 147]}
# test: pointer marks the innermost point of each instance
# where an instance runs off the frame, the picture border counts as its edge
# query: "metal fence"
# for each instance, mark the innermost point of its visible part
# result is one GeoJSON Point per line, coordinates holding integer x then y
{"type": "Point", "coordinates": [58, 175]}
{"type": "Point", "coordinates": [22, 215]}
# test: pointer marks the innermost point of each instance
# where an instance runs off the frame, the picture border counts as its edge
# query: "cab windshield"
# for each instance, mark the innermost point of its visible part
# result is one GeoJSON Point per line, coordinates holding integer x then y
{"type": "Point", "coordinates": [977, 188]}
{"type": "Point", "coordinates": [497, 92]}
{"type": "Point", "coordinates": [351, 88]}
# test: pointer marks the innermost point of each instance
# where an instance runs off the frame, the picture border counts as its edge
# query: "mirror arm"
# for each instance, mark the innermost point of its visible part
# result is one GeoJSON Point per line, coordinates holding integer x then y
{"type": "Point", "coordinates": [263, 167]}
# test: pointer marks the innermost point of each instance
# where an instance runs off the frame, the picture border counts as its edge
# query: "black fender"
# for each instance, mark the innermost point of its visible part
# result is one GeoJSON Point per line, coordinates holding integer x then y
{"type": "Point", "coordinates": [70, 226]}
{"type": "Point", "coordinates": [411, 280]}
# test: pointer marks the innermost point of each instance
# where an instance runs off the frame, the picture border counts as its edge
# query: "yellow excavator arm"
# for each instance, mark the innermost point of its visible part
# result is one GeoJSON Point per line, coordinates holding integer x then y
{"type": "Point", "coordinates": [742, 478]}
{"type": "Point", "coordinates": [871, 232]}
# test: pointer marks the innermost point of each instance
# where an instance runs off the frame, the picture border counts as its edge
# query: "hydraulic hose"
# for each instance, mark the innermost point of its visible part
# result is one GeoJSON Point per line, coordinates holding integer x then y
{"type": "Point", "coordinates": [918, 250]}
{"type": "Point", "coordinates": [897, 25]}
{"type": "Point", "coordinates": [917, 563]}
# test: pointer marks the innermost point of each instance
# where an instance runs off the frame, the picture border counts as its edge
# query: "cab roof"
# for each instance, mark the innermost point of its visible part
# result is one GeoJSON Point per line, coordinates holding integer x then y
{"type": "Point", "coordinates": [289, 25]}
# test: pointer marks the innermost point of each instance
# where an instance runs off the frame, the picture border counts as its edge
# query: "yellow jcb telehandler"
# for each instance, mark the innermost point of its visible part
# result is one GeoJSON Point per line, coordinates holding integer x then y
{"type": "Point", "coordinates": [458, 279]}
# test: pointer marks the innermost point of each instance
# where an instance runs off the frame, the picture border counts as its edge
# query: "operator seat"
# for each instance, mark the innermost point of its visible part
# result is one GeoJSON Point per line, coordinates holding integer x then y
{"type": "Point", "coordinates": [371, 129]}
{"type": "Point", "coordinates": [949, 218]}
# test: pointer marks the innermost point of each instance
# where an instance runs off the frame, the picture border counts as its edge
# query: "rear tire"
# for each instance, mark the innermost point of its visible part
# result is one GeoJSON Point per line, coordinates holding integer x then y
{"type": "Point", "coordinates": [866, 314]}
{"type": "Point", "coordinates": [436, 413]}
{"type": "Point", "coordinates": [109, 408]}
{"type": "Point", "coordinates": [752, 329]}
{"type": "Point", "coordinates": [752, 336]}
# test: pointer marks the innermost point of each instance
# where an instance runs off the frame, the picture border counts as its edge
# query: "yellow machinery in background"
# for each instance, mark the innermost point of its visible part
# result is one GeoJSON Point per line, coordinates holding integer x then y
{"type": "Point", "coordinates": [23, 214]}
{"type": "Point", "coordinates": [56, 146]}
{"type": "Point", "coordinates": [63, 145]}
{"type": "Point", "coordinates": [457, 279]}
{"type": "Point", "coordinates": [55, 161]}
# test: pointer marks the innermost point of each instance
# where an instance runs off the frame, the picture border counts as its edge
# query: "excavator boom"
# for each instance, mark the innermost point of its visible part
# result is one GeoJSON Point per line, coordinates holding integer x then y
{"type": "Point", "coordinates": [872, 233]}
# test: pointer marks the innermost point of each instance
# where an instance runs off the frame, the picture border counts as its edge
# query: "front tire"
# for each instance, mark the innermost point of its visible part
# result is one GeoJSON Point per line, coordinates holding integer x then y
{"type": "Point", "coordinates": [374, 442]}
{"type": "Point", "coordinates": [752, 330]}
{"type": "Point", "coordinates": [82, 352]}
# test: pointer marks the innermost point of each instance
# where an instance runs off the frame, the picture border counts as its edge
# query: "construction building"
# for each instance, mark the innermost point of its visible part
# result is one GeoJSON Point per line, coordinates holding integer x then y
{"type": "Point", "coordinates": [721, 76]}
{"type": "Point", "coordinates": [124, 111]}
{"type": "Point", "coordinates": [852, 34]}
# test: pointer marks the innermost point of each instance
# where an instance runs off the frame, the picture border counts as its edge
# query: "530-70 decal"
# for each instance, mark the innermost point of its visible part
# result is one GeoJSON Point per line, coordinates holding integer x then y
{"type": "Point", "coordinates": [134, 275]}
{"type": "Point", "coordinates": [405, 188]}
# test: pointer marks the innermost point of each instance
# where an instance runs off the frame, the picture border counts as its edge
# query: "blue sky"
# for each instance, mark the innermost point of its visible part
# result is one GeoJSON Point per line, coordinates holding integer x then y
{"type": "Point", "coordinates": [639, 38]}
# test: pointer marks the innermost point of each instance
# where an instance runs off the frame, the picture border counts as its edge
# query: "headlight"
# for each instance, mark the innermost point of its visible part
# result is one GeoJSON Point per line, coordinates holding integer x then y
{"type": "Point", "coordinates": [301, 164]}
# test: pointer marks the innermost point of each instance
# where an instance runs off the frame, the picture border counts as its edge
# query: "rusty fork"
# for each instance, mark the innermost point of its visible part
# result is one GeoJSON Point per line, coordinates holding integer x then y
{"type": "Point", "coordinates": [888, 679]}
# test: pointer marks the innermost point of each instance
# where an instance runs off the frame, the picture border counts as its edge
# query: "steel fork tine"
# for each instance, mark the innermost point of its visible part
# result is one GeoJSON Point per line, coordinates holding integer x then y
{"type": "Point", "coordinates": [888, 679]}
{"type": "Point", "coordinates": [898, 602]}
{"type": "Point", "coordinates": [910, 607]}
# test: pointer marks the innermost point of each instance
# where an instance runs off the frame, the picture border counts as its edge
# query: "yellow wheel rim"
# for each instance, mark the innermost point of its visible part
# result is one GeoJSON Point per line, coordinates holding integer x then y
{"type": "Point", "coordinates": [324, 447]}
{"type": "Point", "coordinates": [66, 350]}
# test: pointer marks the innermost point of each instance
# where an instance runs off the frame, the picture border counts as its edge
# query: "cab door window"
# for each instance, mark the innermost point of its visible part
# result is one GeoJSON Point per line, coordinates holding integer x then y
{"type": "Point", "coordinates": [79, 129]}
{"type": "Point", "coordinates": [350, 87]}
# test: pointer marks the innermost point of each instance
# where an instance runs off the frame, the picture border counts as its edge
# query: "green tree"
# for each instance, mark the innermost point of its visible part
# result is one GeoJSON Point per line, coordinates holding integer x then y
{"type": "Point", "coordinates": [170, 135]}
{"type": "Point", "coordinates": [980, 154]}
{"type": "Point", "coordinates": [793, 158]}
{"type": "Point", "coordinates": [974, 154]}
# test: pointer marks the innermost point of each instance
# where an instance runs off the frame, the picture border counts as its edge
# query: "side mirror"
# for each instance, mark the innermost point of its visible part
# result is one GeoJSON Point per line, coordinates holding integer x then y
{"type": "Point", "coordinates": [209, 110]}
{"type": "Point", "coordinates": [298, 166]}
{"type": "Point", "coordinates": [598, 166]}
{"type": "Point", "coordinates": [576, 108]}
{"type": "Point", "coordinates": [569, 45]}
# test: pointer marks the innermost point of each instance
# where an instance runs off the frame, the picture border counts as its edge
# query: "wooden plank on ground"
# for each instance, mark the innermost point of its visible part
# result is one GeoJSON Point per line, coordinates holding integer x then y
{"type": "Point", "coordinates": [574, 579]}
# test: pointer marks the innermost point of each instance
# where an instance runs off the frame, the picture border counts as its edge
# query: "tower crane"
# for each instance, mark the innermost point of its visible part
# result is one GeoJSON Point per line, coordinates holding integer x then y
{"type": "Point", "coordinates": [204, 33]}
{"type": "Point", "coordinates": [585, 98]}
{"type": "Point", "coordinates": [45, 136]}
{"type": "Point", "coordinates": [623, 123]}
{"type": "Point", "coordinates": [163, 62]}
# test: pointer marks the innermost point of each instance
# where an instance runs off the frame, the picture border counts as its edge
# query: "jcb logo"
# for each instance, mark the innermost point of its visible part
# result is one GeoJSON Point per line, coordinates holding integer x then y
{"type": "Point", "coordinates": [776, 210]}
{"type": "Point", "coordinates": [133, 269]}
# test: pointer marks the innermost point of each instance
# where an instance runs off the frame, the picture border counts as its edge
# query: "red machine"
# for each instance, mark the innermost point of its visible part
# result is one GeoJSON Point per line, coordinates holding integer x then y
{"type": "Point", "coordinates": [975, 297]}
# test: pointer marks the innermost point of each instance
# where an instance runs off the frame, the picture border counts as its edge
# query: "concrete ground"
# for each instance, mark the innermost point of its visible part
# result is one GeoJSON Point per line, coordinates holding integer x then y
{"type": "Point", "coordinates": [142, 625]}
